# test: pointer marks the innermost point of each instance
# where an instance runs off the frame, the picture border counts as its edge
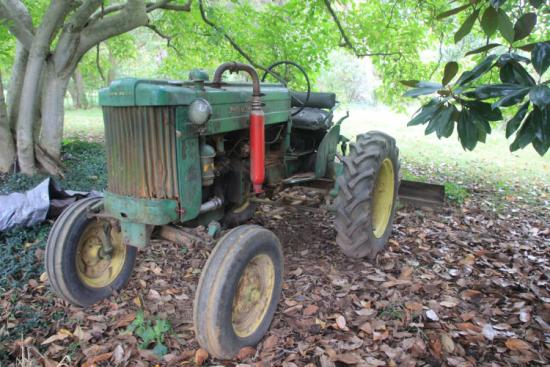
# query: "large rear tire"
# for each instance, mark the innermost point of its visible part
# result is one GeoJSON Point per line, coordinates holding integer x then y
{"type": "Point", "coordinates": [238, 291]}
{"type": "Point", "coordinates": [367, 196]}
{"type": "Point", "coordinates": [77, 269]}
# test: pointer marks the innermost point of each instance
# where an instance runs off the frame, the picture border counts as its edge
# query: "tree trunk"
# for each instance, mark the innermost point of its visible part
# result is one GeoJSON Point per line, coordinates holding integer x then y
{"type": "Point", "coordinates": [80, 88]}
{"type": "Point", "coordinates": [16, 83]}
{"type": "Point", "coordinates": [71, 88]}
{"type": "Point", "coordinates": [54, 90]}
{"type": "Point", "coordinates": [7, 146]}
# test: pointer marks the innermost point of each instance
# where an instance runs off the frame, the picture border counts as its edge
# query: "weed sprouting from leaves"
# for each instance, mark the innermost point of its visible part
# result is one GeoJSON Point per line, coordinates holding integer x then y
{"type": "Point", "coordinates": [150, 333]}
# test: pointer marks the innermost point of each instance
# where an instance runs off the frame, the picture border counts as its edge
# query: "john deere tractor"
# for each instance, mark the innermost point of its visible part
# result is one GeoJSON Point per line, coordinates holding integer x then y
{"type": "Point", "coordinates": [200, 152]}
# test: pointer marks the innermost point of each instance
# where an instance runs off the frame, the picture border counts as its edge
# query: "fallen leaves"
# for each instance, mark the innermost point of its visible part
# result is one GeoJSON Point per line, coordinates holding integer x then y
{"type": "Point", "coordinates": [452, 290]}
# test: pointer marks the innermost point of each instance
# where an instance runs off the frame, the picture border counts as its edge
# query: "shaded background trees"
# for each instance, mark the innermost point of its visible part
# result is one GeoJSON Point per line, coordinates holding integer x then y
{"type": "Point", "coordinates": [75, 47]}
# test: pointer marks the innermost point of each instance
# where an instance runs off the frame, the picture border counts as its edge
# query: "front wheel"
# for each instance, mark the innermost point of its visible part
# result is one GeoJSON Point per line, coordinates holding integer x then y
{"type": "Point", "coordinates": [366, 201]}
{"type": "Point", "coordinates": [238, 291]}
{"type": "Point", "coordinates": [85, 259]}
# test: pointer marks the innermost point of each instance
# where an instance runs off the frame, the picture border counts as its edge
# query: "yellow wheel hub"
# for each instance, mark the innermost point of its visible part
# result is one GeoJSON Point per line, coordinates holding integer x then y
{"type": "Point", "coordinates": [382, 200]}
{"type": "Point", "coordinates": [253, 295]}
{"type": "Point", "coordinates": [95, 267]}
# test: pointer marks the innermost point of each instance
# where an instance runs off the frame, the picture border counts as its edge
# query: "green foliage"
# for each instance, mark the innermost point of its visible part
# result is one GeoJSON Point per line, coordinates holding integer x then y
{"type": "Point", "coordinates": [149, 333]}
{"type": "Point", "coordinates": [475, 99]}
{"type": "Point", "coordinates": [19, 263]}
{"type": "Point", "coordinates": [455, 192]}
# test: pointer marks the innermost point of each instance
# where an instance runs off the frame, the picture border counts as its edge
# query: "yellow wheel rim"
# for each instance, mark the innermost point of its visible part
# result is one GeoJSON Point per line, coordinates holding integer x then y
{"type": "Point", "coordinates": [382, 200]}
{"type": "Point", "coordinates": [94, 268]}
{"type": "Point", "coordinates": [253, 295]}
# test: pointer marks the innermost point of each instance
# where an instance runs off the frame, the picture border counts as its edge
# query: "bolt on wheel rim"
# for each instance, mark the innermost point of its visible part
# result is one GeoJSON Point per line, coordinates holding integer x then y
{"type": "Point", "coordinates": [253, 295]}
{"type": "Point", "coordinates": [94, 268]}
{"type": "Point", "coordinates": [382, 201]}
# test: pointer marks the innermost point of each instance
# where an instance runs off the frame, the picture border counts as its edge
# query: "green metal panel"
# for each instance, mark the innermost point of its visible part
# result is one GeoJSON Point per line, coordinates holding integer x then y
{"type": "Point", "coordinates": [148, 211]}
{"type": "Point", "coordinates": [143, 92]}
{"type": "Point", "coordinates": [189, 169]}
{"type": "Point", "coordinates": [134, 234]}
{"type": "Point", "coordinates": [327, 151]}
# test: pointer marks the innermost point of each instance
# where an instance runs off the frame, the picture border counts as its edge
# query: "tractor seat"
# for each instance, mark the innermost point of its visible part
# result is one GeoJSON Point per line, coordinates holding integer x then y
{"type": "Point", "coordinates": [316, 99]}
{"type": "Point", "coordinates": [311, 118]}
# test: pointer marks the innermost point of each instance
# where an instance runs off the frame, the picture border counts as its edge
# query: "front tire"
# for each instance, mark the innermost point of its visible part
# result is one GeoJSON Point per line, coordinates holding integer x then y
{"type": "Point", "coordinates": [367, 196]}
{"type": "Point", "coordinates": [77, 269]}
{"type": "Point", "coordinates": [238, 291]}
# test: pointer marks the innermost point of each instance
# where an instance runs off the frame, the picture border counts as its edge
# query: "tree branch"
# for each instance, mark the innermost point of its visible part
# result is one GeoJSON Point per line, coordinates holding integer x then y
{"type": "Point", "coordinates": [18, 19]}
{"type": "Point", "coordinates": [347, 41]}
{"type": "Point", "coordinates": [132, 16]}
{"type": "Point", "coordinates": [232, 42]}
{"type": "Point", "coordinates": [168, 38]}
{"type": "Point", "coordinates": [98, 64]}
{"type": "Point", "coordinates": [168, 5]}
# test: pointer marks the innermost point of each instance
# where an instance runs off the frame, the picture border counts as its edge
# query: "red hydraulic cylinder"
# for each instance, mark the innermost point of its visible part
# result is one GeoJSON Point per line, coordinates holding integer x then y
{"type": "Point", "coordinates": [257, 149]}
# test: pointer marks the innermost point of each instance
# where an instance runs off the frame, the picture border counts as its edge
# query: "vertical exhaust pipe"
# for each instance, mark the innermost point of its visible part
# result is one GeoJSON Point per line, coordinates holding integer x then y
{"type": "Point", "coordinates": [257, 122]}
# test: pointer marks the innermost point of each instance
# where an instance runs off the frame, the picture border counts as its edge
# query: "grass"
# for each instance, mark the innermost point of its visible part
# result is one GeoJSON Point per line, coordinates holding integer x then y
{"type": "Point", "coordinates": [425, 158]}
{"type": "Point", "coordinates": [491, 165]}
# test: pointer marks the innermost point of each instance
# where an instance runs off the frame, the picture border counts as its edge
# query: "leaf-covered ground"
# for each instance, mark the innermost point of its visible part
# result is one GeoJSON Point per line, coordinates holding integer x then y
{"type": "Point", "coordinates": [463, 286]}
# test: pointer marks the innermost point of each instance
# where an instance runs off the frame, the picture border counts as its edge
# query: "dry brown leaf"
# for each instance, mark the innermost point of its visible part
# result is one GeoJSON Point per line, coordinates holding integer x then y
{"type": "Point", "coordinates": [60, 335]}
{"type": "Point", "coordinates": [341, 322]}
{"type": "Point", "coordinates": [517, 344]}
{"type": "Point", "coordinates": [270, 343]}
{"type": "Point", "coordinates": [201, 356]}
{"type": "Point", "coordinates": [348, 358]}
{"type": "Point", "coordinates": [125, 320]}
{"type": "Point", "coordinates": [406, 273]}
{"type": "Point", "coordinates": [413, 306]}
{"type": "Point", "coordinates": [311, 310]}
{"type": "Point", "coordinates": [246, 353]}
{"type": "Point", "coordinates": [447, 343]}
{"type": "Point", "coordinates": [99, 358]}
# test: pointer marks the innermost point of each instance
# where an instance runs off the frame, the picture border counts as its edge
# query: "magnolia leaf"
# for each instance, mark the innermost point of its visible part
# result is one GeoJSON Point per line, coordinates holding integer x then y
{"type": "Point", "coordinates": [442, 122]}
{"type": "Point", "coordinates": [410, 83]}
{"type": "Point", "coordinates": [505, 26]}
{"type": "Point", "coordinates": [540, 57]}
{"type": "Point", "coordinates": [488, 47]}
{"type": "Point", "coordinates": [540, 147]}
{"type": "Point", "coordinates": [489, 21]}
{"type": "Point", "coordinates": [423, 88]}
{"type": "Point", "coordinates": [540, 95]}
{"type": "Point", "coordinates": [467, 131]}
{"type": "Point", "coordinates": [425, 113]}
{"type": "Point", "coordinates": [513, 124]}
{"type": "Point", "coordinates": [477, 72]}
{"type": "Point", "coordinates": [524, 26]}
{"type": "Point", "coordinates": [513, 72]}
{"type": "Point", "coordinates": [466, 27]}
{"type": "Point", "coordinates": [485, 110]}
{"type": "Point", "coordinates": [528, 47]}
{"type": "Point", "coordinates": [525, 134]}
{"type": "Point", "coordinates": [451, 12]}
{"type": "Point", "coordinates": [541, 119]}
{"type": "Point", "coordinates": [451, 68]}
{"type": "Point", "coordinates": [511, 99]}
{"type": "Point", "coordinates": [493, 90]}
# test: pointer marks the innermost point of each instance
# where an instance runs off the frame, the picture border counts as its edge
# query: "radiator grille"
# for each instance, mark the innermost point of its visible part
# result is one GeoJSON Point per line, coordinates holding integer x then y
{"type": "Point", "coordinates": [141, 151]}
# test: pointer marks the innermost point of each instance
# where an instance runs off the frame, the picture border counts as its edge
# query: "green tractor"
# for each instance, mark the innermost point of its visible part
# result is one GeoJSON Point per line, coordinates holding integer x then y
{"type": "Point", "coordinates": [201, 152]}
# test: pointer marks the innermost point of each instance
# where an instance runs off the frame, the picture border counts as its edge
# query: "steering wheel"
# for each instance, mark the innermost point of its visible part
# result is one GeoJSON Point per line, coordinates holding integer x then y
{"type": "Point", "coordinates": [269, 70]}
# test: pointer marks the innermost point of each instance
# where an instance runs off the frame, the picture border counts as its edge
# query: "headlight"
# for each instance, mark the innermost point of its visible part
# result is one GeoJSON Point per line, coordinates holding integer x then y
{"type": "Point", "coordinates": [199, 111]}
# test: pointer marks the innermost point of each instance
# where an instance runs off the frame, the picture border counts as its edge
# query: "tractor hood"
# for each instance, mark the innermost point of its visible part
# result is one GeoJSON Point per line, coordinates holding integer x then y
{"type": "Point", "coordinates": [143, 92]}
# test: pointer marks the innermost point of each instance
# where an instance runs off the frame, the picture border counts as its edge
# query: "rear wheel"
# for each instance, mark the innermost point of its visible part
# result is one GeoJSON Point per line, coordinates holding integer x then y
{"type": "Point", "coordinates": [85, 259]}
{"type": "Point", "coordinates": [238, 291]}
{"type": "Point", "coordinates": [366, 200]}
